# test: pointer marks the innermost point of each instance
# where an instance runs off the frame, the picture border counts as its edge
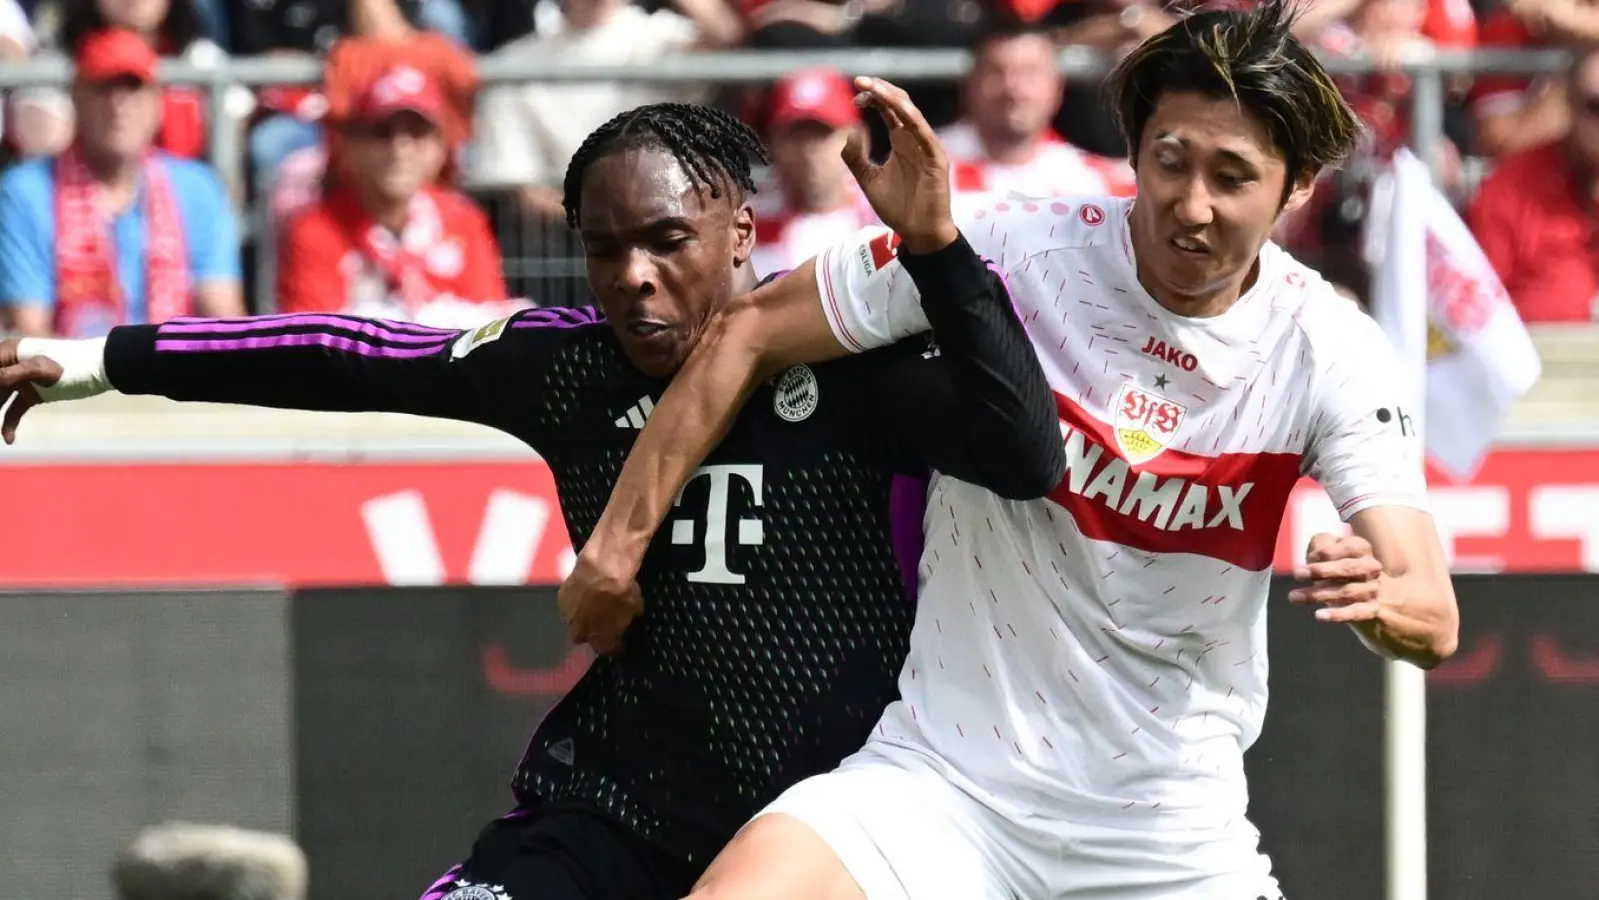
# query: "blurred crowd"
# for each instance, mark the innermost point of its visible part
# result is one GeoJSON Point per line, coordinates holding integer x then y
{"type": "Point", "coordinates": [401, 187]}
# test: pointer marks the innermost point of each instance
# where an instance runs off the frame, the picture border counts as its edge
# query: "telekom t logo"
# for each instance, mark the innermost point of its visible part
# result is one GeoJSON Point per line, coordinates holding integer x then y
{"type": "Point", "coordinates": [717, 501]}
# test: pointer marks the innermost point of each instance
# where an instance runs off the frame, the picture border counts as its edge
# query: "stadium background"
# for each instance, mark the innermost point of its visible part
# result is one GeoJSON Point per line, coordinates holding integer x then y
{"type": "Point", "coordinates": [343, 628]}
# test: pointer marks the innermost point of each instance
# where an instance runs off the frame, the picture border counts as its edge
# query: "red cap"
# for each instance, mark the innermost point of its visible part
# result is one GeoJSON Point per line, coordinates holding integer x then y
{"type": "Point", "coordinates": [112, 53]}
{"type": "Point", "coordinates": [813, 95]}
{"type": "Point", "coordinates": [400, 89]}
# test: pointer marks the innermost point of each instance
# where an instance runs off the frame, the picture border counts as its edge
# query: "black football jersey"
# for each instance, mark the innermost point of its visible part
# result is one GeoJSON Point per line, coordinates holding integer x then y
{"type": "Point", "coordinates": [778, 596]}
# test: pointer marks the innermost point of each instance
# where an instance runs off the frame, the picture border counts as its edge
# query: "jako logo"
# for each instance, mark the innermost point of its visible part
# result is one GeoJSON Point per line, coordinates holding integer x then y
{"type": "Point", "coordinates": [1171, 354]}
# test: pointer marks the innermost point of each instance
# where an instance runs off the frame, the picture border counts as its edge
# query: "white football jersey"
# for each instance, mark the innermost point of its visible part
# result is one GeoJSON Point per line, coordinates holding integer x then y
{"type": "Point", "coordinates": [1099, 656]}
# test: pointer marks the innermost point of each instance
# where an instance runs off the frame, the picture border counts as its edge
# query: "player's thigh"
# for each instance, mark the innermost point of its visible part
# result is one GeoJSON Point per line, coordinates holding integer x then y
{"type": "Point", "coordinates": [871, 830]}
{"type": "Point", "coordinates": [774, 857]}
{"type": "Point", "coordinates": [563, 855]}
{"type": "Point", "coordinates": [1114, 864]}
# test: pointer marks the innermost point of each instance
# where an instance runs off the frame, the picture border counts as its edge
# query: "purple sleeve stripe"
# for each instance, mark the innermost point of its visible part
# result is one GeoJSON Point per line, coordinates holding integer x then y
{"type": "Point", "coordinates": [557, 317]}
{"type": "Point", "coordinates": [280, 341]}
{"type": "Point", "coordinates": [284, 320]}
{"type": "Point", "coordinates": [442, 887]}
{"type": "Point", "coordinates": [368, 327]}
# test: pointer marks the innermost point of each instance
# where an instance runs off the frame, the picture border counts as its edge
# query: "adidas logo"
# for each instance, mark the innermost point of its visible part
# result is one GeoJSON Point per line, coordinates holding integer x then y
{"type": "Point", "coordinates": [562, 751]}
{"type": "Point", "coordinates": [637, 414]}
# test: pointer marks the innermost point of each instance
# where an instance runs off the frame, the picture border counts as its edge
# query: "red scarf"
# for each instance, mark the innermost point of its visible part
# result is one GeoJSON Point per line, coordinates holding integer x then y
{"type": "Point", "coordinates": [90, 299]}
{"type": "Point", "coordinates": [400, 261]}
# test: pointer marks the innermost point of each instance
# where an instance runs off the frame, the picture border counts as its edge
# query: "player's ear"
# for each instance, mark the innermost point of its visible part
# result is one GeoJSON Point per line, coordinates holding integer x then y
{"type": "Point", "coordinates": [743, 234]}
{"type": "Point", "coordinates": [1299, 191]}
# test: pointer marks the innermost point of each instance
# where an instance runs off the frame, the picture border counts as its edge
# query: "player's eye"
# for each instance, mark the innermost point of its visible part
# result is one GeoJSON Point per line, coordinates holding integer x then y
{"type": "Point", "coordinates": [670, 243]}
{"type": "Point", "coordinates": [1233, 181]}
{"type": "Point", "coordinates": [600, 249]}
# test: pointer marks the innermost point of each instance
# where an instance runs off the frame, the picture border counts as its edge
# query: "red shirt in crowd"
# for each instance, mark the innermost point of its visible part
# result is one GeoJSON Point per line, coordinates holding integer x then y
{"type": "Point", "coordinates": [1536, 222]}
{"type": "Point", "coordinates": [327, 263]}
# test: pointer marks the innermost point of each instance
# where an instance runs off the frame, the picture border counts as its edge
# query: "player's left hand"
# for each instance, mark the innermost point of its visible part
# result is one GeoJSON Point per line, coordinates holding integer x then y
{"type": "Point", "coordinates": [597, 604]}
{"type": "Point", "coordinates": [909, 191]}
{"type": "Point", "coordinates": [1343, 576]}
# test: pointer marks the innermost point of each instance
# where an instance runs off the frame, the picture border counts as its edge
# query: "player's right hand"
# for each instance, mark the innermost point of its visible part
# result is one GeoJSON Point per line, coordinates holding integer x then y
{"type": "Point", "coordinates": [20, 380]}
{"type": "Point", "coordinates": [598, 605]}
{"type": "Point", "coordinates": [910, 190]}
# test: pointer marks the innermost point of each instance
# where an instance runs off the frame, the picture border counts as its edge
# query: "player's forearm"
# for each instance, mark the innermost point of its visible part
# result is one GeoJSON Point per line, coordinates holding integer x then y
{"type": "Point", "coordinates": [330, 363]}
{"type": "Point", "coordinates": [693, 415]}
{"type": "Point", "coordinates": [994, 385]}
{"type": "Point", "coordinates": [1417, 622]}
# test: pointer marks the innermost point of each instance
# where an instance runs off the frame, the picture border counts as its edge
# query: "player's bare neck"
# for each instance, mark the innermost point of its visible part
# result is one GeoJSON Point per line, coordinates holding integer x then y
{"type": "Point", "coordinates": [745, 279]}
{"type": "Point", "coordinates": [1204, 305]}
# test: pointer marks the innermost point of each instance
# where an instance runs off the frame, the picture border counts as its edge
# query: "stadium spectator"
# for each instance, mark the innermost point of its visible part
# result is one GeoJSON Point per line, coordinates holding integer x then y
{"type": "Point", "coordinates": [17, 39]}
{"type": "Point", "coordinates": [109, 232]}
{"type": "Point", "coordinates": [172, 28]}
{"type": "Point", "coordinates": [386, 241]}
{"type": "Point", "coordinates": [39, 122]}
{"type": "Point", "coordinates": [353, 65]}
{"type": "Point", "coordinates": [804, 24]}
{"type": "Point", "coordinates": [1514, 112]}
{"type": "Point", "coordinates": [528, 133]}
{"type": "Point", "coordinates": [1005, 141]}
{"type": "Point", "coordinates": [1534, 215]}
{"type": "Point", "coordinates": [180, 861]}
{"type": "Point", "coordinates": [810, 202]}
{"type": "Point", "coordinates": [304, 28]}
{"type": "Point", "coordinates": [37, 126]}
{"type": "Point", "coordinates": [1390, 31]}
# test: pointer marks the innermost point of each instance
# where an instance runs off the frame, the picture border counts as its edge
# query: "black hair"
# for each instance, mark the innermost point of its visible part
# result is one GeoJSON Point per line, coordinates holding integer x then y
{"type": "Point", "coordinates": [1004, 28]}
{"type": "Point", "coordinates": [1249, 56]}
{"type": "Point", "coordinates": [715, 149]}
{"type": "Point", "coordinates": [181, 27]}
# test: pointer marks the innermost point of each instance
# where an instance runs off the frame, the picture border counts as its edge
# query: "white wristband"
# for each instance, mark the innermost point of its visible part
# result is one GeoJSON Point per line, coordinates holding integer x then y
{"type": "Point", "coordinates": [82, 367]}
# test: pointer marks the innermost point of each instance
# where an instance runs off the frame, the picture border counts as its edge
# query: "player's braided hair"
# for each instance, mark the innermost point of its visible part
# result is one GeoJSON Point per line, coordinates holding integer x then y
{"type": "Point", "coordinates": [712, 147]}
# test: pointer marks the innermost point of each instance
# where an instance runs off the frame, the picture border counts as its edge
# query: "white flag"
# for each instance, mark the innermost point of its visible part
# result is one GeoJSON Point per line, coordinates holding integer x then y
{"type": "Point", "coordinates": [1446, 311]}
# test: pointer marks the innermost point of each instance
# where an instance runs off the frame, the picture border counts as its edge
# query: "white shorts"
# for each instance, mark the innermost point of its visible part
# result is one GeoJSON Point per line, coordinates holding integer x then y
{"type": "Point", "coordinates": [905, 833]}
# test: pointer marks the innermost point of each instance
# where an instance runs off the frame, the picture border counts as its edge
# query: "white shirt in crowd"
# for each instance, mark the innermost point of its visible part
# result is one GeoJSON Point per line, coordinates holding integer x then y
{"type": "Point", "coordinates": [526, 134]}
{"type": "Point", "coordinates": [1058, 169]}
{"type": "Point", "coordinates": [785, 238]}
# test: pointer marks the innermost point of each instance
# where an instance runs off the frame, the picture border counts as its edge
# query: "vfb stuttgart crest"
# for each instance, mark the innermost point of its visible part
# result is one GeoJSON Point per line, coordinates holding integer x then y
{"type": "Point", "coordinates": [1145, 423]}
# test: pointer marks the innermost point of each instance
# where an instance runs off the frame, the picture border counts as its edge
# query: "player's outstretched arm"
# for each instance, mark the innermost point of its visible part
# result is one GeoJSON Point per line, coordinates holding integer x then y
{"type": "Point", "coordinates": [1389, 580]}
{"type": "Point", "coordinates": [314, 362]}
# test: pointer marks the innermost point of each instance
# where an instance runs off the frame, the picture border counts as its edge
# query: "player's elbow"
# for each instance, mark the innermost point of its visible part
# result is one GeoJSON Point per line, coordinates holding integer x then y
{"type": "Point", "coordinates": [1025, 472]}
{"type": "Point", "coordinates": [1444, 640]}
{"type": "Point", "coordinates": [1439, 637]}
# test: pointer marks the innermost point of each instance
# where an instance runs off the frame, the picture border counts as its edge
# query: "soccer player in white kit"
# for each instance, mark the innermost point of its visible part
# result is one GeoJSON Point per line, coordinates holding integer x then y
{"type": "Point", "coordinates": [1087, 670]}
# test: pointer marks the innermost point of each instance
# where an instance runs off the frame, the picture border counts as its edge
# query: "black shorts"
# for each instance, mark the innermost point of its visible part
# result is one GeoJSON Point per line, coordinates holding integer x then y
{"type": "Point", "coordinates": [564, 853]}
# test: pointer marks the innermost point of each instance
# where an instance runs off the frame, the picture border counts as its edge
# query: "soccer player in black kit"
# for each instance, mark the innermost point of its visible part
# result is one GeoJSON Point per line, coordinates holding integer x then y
{"type": "Point", "coordinates": [777, 606]}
